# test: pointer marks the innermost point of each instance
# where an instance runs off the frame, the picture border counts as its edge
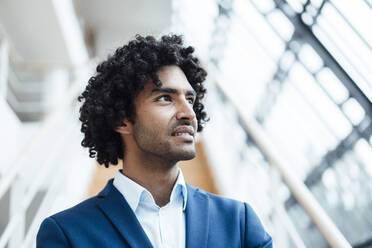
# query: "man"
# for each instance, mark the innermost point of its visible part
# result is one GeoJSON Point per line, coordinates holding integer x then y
{"type": "Point", "coordinates": [144, 106]}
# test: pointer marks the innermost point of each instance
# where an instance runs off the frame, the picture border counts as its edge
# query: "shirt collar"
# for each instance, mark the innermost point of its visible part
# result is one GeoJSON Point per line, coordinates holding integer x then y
{"type": "Point", "coordinates": [134, 193]}
{"type": "Point", "coordinates": [180, 188]}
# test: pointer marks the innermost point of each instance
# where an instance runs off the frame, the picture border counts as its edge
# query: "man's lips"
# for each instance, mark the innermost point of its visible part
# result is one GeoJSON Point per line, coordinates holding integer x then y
{"type": "Point", "coordinates": [183, 130]}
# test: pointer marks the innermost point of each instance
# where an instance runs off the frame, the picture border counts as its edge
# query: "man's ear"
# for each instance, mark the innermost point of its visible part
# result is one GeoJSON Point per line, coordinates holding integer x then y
{"type": "Point", "coordinates": [126, 128]}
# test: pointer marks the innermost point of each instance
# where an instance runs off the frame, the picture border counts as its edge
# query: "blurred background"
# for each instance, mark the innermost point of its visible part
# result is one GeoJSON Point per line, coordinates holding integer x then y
{"type": "Point", "coordinates": [289, 98]}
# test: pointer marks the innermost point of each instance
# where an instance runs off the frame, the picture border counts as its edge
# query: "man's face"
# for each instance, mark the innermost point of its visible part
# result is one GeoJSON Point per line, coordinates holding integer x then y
{"type": "Point", "coordinates": [165, 123]}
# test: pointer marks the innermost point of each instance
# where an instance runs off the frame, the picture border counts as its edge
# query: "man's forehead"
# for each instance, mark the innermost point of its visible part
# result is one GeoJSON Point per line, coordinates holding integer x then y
{"type": "Point", "coordinates": [173, 90]}
{"type": "Point", "coordinates": [173, 80]}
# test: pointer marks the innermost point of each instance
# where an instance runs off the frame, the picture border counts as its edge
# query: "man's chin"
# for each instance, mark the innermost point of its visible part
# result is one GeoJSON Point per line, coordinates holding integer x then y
{"type": "Point", "coordinates": [189, 157]}
{"type": "Point", "coordinates": [183, 155]}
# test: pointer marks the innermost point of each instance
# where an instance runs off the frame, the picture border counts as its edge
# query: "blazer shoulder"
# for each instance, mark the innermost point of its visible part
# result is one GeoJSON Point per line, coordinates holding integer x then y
{"type": "Point", "coordinates": [253, 232]}
{"type": "Point", "coordinates": [86, 212]}
{"type": "Point", "coordinates": [51, 234]}
{"type": "Point", "coordinates": [53, 231]}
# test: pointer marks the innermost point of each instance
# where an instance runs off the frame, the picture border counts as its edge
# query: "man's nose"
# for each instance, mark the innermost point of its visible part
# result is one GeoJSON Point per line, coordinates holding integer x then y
{"type": "Point", "coordinates": [185, 111]}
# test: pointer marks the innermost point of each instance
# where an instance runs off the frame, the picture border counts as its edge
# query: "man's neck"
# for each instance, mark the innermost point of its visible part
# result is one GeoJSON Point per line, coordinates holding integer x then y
{"type": "Point", "coordinates": [157, 177]}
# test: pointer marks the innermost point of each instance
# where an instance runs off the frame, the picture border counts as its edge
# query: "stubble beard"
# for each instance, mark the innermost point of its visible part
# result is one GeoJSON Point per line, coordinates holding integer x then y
{"type": "Point", "coordinates": [151, 143]}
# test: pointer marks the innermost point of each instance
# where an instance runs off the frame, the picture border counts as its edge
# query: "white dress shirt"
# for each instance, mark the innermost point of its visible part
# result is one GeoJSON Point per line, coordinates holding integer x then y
{"type": "Point", "coordinates": [164, 226]}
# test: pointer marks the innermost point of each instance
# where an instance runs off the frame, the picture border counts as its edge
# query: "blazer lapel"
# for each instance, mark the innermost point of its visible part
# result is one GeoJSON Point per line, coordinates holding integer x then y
{"type": "Point", "coordinates": [117, 210]}
{"type": "Point", "coordinates": [197, 218]}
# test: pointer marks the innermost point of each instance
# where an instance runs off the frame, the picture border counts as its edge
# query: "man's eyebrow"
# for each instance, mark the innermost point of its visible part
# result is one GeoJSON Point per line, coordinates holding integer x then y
{"type": "Point", "coordinates": [171, 91]}
{"type": "Point", "coordinates": [191, 92]}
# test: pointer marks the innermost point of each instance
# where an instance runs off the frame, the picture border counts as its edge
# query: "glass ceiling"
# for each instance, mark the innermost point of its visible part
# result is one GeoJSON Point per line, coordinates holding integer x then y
{"type": "Point", "coordinates": [303, 70]}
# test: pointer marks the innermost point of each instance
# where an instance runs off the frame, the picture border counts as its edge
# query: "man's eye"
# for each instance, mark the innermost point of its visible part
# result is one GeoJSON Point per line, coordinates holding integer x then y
{"type": "Point", "coordinates": [191, 100]}
{"type": "Point", "coordinates": [164, 98]}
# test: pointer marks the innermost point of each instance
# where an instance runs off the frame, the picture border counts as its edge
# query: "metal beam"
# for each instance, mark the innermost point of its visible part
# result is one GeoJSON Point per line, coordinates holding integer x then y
{"type": "Point", "coordinates": [365, 244]}
{"type": "Point", "coordinates": [308, 36]}
{"type": "Point", "coordinates": [332, 156]}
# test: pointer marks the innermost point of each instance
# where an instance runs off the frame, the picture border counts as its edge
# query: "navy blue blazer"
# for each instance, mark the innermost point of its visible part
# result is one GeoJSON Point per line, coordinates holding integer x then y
{"type": "Point", "coordinates": [107, 220]}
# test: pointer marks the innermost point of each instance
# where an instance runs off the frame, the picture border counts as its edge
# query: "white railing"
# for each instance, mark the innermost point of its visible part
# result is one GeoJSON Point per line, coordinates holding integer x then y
{"type": "Point", "coordinates": [299, 190]}
{"type": "Point", "coordinates": [4, 66]}
{"type": "Point", "coordinates": [23, 191]}
{"type": "Point", "coordinates": [38, 141]}
{"type": "Point", "coordinates": [280, 218]}
{"type": "Point", "coordinates": [21, 201]}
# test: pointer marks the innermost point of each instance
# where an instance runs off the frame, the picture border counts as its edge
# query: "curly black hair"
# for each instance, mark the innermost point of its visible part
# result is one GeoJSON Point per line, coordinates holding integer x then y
{"type": "Point", "coordinates": [108, 98]}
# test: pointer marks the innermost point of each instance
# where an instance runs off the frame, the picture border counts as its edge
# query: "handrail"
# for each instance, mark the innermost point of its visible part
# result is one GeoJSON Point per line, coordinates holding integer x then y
{"type": "Point", "coordinates": [45, 204]}
{"type": "Point", "coordinates": [4, 66]}
{"type": "Point", "coordinates": [37, 141]}
{"type": "Point", "coordinates": [279, 210]}
{"type": "Point", "coordinates": [287, 222]}
{"type": "Point", "coordinates": [300, 191]}
{"type": "Point", "coordinates": [44, 172]}
{"type": "Point", "coordinates": [12, 225]}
